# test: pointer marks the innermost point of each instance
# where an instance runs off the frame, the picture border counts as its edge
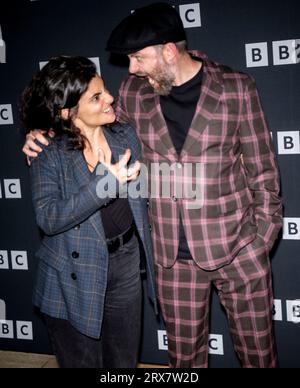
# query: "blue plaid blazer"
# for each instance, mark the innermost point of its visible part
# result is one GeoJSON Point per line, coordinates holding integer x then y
{"type": "Point", "coordinates": [67, 210]}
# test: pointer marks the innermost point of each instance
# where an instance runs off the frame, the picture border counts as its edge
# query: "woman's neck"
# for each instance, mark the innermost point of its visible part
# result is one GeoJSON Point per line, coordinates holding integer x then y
{"type": "Point", "coordinates": [95, 139]}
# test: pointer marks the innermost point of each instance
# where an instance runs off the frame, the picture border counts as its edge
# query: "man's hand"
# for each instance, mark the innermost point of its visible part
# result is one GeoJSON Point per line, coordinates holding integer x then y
{"type": "Point", "coordinates": [30, 148]}
{"type": "Point", "coordinates": [120, 170]}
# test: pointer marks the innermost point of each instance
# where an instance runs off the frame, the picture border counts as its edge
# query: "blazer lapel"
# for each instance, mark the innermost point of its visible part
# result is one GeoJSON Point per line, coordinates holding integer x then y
{"type": "Point", "coordinates": [118, 148]}
{"type": "Point", "coordinates": [153, 128]}
{"type": "Point", "coordinates": [82, 176]}
{"type": "Point", "coordinates": [79, 168]}
{"type": "Point", "coordinates": [211, 92]}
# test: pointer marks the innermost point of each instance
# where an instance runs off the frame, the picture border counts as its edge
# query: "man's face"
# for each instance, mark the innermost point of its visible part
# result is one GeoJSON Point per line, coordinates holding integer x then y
{"type": "Point", "coordinates": [149, 63]}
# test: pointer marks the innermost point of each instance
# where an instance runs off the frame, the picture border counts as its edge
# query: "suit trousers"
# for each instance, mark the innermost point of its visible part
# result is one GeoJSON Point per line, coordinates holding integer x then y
{"type": "Point", "coordinates": [245, 290]}
{"type": "Point", "coordinates": [118, 344]}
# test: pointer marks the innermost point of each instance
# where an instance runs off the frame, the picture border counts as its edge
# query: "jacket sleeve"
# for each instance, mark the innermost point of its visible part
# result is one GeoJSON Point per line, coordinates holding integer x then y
{"type": "Point", "coordinates": [260, 165]}
{"type": "Point", "coordinates": [54, 213]}
{"type": "Point", "coordinates": [133, 142]}
{"type": "Point", "coordinates": [126, 101]}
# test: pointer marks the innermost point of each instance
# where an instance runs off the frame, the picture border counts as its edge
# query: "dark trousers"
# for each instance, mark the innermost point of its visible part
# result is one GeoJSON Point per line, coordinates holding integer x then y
{"type": "Point", "coordinates": [120, 334]}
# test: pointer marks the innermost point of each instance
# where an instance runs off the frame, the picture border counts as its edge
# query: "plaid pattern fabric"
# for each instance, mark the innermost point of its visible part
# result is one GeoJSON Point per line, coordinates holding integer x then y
{"type": "Point", "coordinates": [73, 257]}
{"type": "Point", "coordinates": [244, 288]}
{"type": "Point", "coordinates": [240, 193]}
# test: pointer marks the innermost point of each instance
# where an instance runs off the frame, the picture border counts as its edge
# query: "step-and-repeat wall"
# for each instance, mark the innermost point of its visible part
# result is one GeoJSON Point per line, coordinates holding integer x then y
{"type": "Point", "coordinates": [254, 36]}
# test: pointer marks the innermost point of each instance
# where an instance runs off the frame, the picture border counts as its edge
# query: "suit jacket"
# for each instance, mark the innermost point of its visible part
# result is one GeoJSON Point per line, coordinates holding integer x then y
{"type": "Point", "coordinates": [73, 256]}
{"type": "Point", "coordinates": [239, 179]}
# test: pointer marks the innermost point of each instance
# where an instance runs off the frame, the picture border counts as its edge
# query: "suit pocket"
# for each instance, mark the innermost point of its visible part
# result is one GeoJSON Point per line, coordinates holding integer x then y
{"type": "Point", "coordinates": [51, 257]}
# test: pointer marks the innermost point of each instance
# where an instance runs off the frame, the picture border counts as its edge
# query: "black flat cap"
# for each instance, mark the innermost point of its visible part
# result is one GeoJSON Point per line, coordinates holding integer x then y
{"type": "Point", "coordinates": [157, 23]}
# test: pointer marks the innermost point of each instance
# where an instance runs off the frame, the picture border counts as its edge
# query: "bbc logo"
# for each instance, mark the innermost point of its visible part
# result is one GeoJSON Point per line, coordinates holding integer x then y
{"type": "Point", "coordinates": [215, 341]}
{"type": "Point", "coordinates": [277, 310]}
{"type": "Point", "coordinates": [23, 330]}
{"type": "Point", "coordinates": [288, 142]}
{"type": "Point", "coordinates": [2, 49]}
{"type": "Point", "coordinates": [18, 259]}
{"type": "Point", "coordinates": [292, 311]}
{"type": "Point", "coordinates": [291, 228]}
{"type": "Point", "coordinates": [2, 310]}
{"type": "Point", "coordinates": [216, 345]}
{"type": "Point", "coordinates": [95, 60]}
{"type": "Point", "coordinates": [190, 15]}
{"type": "Point", "coordinates": [6, 115]}
{"type": "Point", "coordinates": [12, 189]}
{"type": "Point", "coordinates": [285, 52]}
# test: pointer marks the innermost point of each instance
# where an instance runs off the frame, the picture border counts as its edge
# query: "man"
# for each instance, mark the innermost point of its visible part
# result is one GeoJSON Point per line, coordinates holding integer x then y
{"type": "Point", "coordinates": [189, 110]}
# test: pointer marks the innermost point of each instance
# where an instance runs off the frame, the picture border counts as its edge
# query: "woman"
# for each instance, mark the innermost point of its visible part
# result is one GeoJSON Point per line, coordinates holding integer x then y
{"type": "Point", "coordinates": [88, 283]}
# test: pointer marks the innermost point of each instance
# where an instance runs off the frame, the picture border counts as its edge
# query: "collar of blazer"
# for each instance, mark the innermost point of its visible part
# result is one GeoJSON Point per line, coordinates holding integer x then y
{"type": "Point", "coordinates": [211, 91]}
{"type": "Point", "coordinates": [78, 169]}
{"type": "Point", "coordinates": [118, 145]}
{"type": "Point", "coordinates": [77, 166]}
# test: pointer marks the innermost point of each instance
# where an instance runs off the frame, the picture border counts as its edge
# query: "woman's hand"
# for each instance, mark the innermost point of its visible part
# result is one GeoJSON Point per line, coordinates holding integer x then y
{"type": "Point", "coordinates": [120, 170]}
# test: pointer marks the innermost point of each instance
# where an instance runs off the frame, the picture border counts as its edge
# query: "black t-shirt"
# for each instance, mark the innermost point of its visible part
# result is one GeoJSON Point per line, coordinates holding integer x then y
{"type": "Point", "coordinates": [179, 109]}
{"type": "Point", "coordinates": [116, 217]}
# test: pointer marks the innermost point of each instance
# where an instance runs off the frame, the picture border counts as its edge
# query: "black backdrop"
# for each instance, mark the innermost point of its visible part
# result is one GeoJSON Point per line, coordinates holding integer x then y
{"type": "Point", "coordinates": [254, 36]}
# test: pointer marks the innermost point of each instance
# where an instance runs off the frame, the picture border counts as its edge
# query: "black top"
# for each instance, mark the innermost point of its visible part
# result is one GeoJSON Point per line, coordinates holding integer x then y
{"type": "Point", "coordinates": [116, 216]}
{"type": "Point", "coordinates": [179, 109]}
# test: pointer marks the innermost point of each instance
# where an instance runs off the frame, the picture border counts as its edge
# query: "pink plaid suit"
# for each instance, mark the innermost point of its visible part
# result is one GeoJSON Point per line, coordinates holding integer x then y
{"type": "Point", "coordinates": [231, 232]}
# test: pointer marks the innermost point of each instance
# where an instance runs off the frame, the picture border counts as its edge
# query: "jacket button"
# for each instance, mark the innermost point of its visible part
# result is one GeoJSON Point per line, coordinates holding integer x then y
{"type": "Point", "coordinates": [174, 199]}
{"type": "Point", "coordinates": [74, 276]}
{"type": "Point", "coordinates": [77, 227]}
{"type": "Point", "coordinates": [75, 255]}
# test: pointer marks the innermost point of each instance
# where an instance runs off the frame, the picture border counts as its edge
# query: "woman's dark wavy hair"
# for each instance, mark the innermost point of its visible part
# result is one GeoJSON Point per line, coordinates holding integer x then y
{"type": "Point", "coordinates": [59, 85]}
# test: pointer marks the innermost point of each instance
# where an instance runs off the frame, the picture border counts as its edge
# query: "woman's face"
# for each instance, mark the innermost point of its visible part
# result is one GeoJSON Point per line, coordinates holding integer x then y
{"type": "Point", "coordinates": [94, 107]}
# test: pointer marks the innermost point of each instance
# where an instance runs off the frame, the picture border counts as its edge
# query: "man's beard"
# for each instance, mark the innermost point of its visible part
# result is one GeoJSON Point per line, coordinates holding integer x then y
{"type": "Point", "coordinates": [163, 81]}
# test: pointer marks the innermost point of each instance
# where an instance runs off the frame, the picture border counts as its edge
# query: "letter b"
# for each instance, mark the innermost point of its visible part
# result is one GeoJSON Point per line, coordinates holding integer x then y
{"type": "Point", "coordinates": [257, 54]}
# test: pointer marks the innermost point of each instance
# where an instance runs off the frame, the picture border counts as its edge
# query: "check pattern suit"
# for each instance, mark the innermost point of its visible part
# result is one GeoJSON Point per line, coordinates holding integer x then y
{"type": "Point", "coordinates": [237, 217]}
{"type": "Point", "coordinates": [73, 256]}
